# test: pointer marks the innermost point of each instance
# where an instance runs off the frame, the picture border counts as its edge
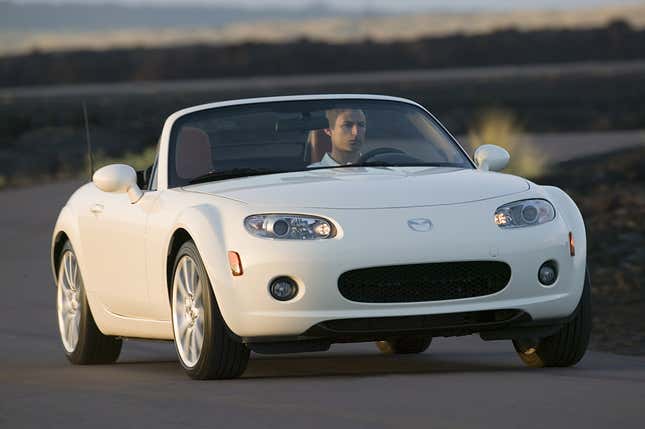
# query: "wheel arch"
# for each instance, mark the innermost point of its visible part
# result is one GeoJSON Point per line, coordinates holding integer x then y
{"type": "Point", "coordinates": [66, 229]}
{"type": "Point", "coordinates": [201, 224]}
{"type": "Point", "coordinates": [178, 237]}
{"type": "Point", "coordinates": [57, 249]}
{"type": "Point", "coordinates": [570, 213]}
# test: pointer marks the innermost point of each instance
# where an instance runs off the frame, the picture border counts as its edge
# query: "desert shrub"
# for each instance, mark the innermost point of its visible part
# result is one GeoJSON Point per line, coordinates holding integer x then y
{"type": "Point", "coordinates": [138, 161]}
{"type": "Point", "coordinates": [501, 127]}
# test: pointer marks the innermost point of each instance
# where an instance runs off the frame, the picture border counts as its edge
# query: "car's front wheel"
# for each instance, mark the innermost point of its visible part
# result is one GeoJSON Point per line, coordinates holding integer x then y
{"type": "Point", "coordinates": [204, 347]}
{"type": "Point", "coordinates": [567, 346]}
{"type": "Point", "coordinates": [405, 345]}
{"type": "Point", "coordinates": [81, 338]}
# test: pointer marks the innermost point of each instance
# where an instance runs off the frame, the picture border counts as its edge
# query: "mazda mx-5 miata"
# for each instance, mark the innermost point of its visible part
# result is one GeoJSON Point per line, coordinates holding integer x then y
{"type": "Point", "coordinates": [286, 224]}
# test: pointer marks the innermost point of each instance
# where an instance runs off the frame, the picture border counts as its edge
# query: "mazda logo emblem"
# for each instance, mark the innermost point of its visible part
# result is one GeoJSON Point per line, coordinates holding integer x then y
{"type": "Point", "coordinates": [420, 224]}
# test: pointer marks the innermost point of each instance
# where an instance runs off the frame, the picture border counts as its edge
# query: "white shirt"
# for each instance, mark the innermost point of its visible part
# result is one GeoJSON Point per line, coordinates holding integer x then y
{"type": "Point", "coordinates": [326, 161]}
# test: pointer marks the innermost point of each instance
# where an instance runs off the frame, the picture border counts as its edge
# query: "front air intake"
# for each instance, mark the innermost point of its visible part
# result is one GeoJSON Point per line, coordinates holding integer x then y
{"type": "Point", "coordinates": [424, 282]}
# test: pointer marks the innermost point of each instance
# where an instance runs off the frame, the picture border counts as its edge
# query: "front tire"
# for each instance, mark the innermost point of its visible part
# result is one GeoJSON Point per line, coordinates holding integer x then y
{"type": "Point", "coordinates": [82, 340]}
{"type": "Point", "coordinates": [404, 345]}
{"type": "Point", "coordinates": [567, 346]}
{"type": "Point", "coordinates": [204, 347]}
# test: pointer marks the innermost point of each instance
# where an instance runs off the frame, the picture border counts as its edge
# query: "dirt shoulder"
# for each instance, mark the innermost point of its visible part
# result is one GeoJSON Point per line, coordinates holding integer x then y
{"type": "Point", "coordinates": [610, 192]}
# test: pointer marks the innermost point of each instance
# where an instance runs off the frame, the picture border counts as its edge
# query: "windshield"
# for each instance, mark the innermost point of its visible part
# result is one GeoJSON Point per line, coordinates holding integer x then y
{"type": "Point", "coordinates": [276, 137]}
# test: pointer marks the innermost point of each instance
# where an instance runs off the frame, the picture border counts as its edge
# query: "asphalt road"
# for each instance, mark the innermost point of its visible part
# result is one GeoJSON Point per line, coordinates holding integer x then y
{"type": "Point", "coordinates": [459, 382]}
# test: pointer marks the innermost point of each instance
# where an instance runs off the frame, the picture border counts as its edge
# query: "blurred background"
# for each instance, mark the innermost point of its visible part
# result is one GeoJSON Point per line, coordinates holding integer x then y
{"type": "Point", "coordinates": [560, 84]}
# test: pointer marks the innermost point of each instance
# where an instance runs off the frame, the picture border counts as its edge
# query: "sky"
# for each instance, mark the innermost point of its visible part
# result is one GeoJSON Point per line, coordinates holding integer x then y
{"type": "Point", "coordinates": [390, 5]}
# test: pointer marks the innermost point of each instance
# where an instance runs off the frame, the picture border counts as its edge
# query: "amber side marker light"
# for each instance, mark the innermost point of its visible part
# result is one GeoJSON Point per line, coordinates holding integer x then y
{"type": "Point", "coordinates": [572, 245]}
{"type": "Point", "coordinates": [235, 262]}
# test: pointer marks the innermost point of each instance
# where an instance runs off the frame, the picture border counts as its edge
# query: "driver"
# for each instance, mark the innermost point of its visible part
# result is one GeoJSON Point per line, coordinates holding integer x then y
{"type": "Point", "coordinates": [347, 132]}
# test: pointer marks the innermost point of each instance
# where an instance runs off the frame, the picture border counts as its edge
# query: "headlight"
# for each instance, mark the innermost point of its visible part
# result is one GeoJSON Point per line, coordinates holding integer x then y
{"type": "Point", "coordinates": [289, 226]}
{"type": "Point", "coordinates": [524, 213]}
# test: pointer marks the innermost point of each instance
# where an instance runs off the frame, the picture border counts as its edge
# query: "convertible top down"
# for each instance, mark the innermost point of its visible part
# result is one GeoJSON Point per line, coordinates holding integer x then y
{"type": "Point", "coordinates": [287, 224]}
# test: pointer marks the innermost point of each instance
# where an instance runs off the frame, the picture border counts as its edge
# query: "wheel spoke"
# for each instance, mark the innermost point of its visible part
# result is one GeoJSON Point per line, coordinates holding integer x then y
{"type": "Point", "coordinates": [60, 302]}
{"type": "Point", "coordinates": [199, 333]}
{"type": "Point", "coordinates": [67, 270]}
{"type": "Point", "coordinates": [67, 305]}
{"type": "Point", "coordinates": [193, 344]}
{"type": "Point", "coordinates": [183, 326]}
{"type": "Point", "coordinates": [63, 283]}
{"type": "Point", "coordinates": [72, 283]}
{"type": "Point", "coordinates": [68, 331]}
{"type": "Point", "coordinates": [189, 347]}
{"type": "Point", "coordinates": [198, 294]}
{"type": "Point", "coordinates": [67, 285]}
{"type": "Point", "coordinates": [74, 328]}
{"type": "Point", "coordinates": [180, 277]}
{"type": "Point", "coordinates": [185, 343]}
{"type": "Point", "coordinates": [194, 277]}
{"type": "Point", "coordinates": [65, 321]}
{"type": "Point", "coordinates": [65, 265]}
{"type": "Point", "coordinates": [181, 294]}
{"type": "Point", "coordinates": [187, 284]}
{"type": "Point", "coordinates": [75, 274]}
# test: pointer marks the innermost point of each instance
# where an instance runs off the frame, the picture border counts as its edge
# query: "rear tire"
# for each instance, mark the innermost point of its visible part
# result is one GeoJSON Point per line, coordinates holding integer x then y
{"type": "Point", "coordinates": [204, 346]}
{"type": "Point", "coordinates": [567, 346]}
{"type": "Point", "coordinates": [82, 340]}
{"type": "Point", "coordinates": [405, 345]}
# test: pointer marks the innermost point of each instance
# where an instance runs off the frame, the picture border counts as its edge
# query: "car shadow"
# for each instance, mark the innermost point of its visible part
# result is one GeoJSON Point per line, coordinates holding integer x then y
{"type": "Point", "coordinates": [372, 365]}
{"type": "Point", "coordinates": [347, 364]}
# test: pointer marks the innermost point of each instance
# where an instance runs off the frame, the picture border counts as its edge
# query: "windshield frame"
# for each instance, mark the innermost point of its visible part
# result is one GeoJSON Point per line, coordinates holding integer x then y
{"type": "Point", "coordinates": [177, 120]}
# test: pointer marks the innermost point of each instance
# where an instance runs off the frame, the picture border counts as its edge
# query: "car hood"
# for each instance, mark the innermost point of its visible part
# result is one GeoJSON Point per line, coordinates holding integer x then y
{"type": "Point", "coordinates": [371, 187]}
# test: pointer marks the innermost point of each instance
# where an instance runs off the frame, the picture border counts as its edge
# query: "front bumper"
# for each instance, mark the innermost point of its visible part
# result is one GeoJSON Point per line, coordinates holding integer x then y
{"type": "Point", "coordinates": [381, 238]}
{"type": "Point", "coordinates": [490, 324]}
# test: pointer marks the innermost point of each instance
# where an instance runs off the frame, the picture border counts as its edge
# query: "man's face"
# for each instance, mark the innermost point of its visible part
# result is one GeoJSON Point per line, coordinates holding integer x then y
{"type": "Point", "coordinates": [348, 133]}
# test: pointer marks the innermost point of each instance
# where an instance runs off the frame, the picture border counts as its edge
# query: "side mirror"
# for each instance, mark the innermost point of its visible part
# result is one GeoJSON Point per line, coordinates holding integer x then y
{"type": "Point", "coordinates": [118, 178]}
{"type": "Point", "coordinates": [491, 157]}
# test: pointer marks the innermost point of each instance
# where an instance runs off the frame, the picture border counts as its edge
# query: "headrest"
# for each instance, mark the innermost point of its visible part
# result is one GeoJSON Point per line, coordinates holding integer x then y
{"type": "Point", "coordinates": [319, 145]}
{"type": "Point", "coordinates": [193, 153]}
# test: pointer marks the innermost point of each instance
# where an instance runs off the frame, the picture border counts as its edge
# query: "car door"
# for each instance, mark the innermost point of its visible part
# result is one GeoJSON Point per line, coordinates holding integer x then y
{"type": "Point", "coordinates": [113, 232]}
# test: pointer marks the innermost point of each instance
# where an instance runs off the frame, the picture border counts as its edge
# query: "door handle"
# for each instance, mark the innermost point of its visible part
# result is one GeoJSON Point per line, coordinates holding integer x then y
{"type": "Point", "coordinates": [96, 208]}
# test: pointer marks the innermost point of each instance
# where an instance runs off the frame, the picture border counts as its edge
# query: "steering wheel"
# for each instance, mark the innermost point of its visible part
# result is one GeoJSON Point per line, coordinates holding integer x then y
{"type": "Point", "coordinates": [378, 151]}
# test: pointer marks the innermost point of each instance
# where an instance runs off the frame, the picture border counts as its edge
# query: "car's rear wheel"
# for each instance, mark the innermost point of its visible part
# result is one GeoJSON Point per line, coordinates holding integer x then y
{"type": "Point", "coordinates": [81, 338]}
{"type": "Point", "coordinates": [204, 347]}
{"type": "Point", "coordinates": [567, 346]}
{"type": "Point", "coordinates": [405, 345]}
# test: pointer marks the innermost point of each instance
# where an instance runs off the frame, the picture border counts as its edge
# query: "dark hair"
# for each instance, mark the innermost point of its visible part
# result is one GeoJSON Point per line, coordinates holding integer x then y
{"type": "Point", "coordinates": [332, 114]}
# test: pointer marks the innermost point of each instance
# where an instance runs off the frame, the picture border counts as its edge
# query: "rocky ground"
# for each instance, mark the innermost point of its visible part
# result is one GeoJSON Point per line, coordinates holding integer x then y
{"type": "Point", "coordinates": [610, 192]}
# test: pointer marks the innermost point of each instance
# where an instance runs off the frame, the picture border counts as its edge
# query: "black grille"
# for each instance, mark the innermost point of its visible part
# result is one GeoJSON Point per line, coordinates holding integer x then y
{"type": "Point", "coordinates": [424, 282]}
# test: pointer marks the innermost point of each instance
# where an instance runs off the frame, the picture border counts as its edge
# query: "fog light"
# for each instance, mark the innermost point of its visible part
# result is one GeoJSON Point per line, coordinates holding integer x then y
{"type": "Point", "coordinates": [548, 273]}
{"type": "Point", "coordinates": [283, 289]}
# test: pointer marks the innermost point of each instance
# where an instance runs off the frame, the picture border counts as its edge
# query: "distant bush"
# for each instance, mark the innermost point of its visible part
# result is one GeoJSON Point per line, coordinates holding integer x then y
{"type": "Point", "coordinates": [501, 127]}
{"type": "Point", "coordinates": [138, 161]}
{"type": "Point", "coordinates": [618, 41]}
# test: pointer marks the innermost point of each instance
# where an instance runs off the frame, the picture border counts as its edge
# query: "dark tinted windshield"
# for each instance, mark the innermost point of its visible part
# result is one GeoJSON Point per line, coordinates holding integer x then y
{"type": "Point", "coordinates": [265, 138]}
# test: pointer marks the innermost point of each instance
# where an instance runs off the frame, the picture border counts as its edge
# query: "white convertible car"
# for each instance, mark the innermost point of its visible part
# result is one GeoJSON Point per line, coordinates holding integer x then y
{"type": "Point", "coordinates": [286, 224]}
